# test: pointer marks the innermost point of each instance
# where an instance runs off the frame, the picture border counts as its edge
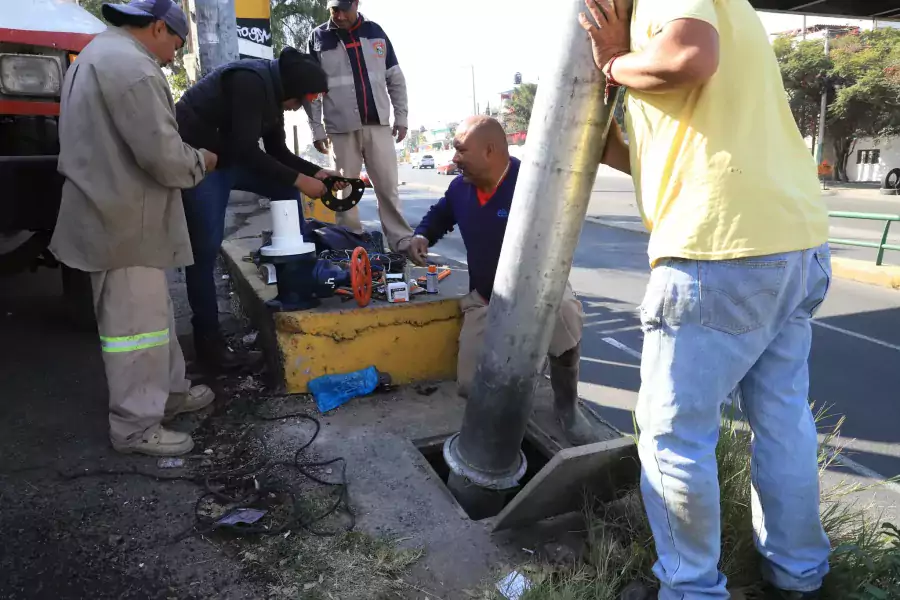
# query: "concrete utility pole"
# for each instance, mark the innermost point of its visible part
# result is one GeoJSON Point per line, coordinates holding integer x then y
{"type": "Point", "coordinates": [820, 148]}
{"type": "Point", "coordinates": [217, 40]}
{"type": "Point", "coordinates": [566, 139]}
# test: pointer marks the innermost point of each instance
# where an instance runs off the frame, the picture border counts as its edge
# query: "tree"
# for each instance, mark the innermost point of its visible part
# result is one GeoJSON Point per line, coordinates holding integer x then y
{"type": "Point", "coordinates": [518, 109]}
{"type": "Point", "coordinates": [803, 67]}
{"type": "Point", "coordinates": [92, 6]}
{"type": "Point", "coordinates": [862, 79]}
{"type": "Point", "coordinates": [867, 96]}
{"type": "Point", "coordinates": [294, 20]}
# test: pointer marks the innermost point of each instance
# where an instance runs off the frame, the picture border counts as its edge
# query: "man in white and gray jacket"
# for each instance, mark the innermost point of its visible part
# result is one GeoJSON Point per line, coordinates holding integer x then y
{"type": "Point", "coordinates": [122, 219]}
{"type": "Point", "coordinates": [364, 82]}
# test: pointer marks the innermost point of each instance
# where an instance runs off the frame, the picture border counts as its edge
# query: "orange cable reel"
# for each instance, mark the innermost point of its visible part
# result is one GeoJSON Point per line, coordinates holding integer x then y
{"type": "Point", "coordinates": [361, 276]}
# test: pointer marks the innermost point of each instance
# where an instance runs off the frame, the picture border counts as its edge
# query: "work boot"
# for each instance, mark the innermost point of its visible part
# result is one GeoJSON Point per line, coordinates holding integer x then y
{"type": "Point", "coordinates": [196, 398]}
{"type": "Point", "coordinates": [564, 381]}
{"type": "Point", "coordinates": [157, 442]}
{"type": "Point", "coordinates": [214, 354]}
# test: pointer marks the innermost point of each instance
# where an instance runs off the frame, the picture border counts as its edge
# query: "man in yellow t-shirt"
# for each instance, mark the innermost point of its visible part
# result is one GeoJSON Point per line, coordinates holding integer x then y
{"type": "Point", "coordinates": [740, 264]}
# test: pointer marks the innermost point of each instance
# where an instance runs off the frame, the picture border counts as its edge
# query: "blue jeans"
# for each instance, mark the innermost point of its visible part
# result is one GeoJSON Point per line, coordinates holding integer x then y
{"type": "Point", "coordinates": [711, 327]}
{"type": "Point", "coordinates": [204, 207]}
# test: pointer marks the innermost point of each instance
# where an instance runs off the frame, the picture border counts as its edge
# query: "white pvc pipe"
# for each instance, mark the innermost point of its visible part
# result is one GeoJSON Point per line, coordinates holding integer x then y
{"type": "Point", "coordinates": [286, 237]}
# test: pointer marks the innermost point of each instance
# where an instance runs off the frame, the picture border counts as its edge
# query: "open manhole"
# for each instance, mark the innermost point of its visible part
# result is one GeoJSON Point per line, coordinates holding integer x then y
{"type": "Point", "coordinates": [536, 456]}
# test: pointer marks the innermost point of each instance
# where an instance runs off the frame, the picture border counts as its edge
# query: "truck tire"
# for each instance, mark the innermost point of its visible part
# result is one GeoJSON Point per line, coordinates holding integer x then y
{"type": "Point", "coordinates": [79, 298]}
{"type": "Point", "coordinates": [21, 255]}
{"type": "Point", "coordinates": [892, 180]}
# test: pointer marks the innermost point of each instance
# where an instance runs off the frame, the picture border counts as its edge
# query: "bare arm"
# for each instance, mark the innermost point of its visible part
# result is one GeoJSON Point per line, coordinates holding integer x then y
{"type": "Point", "coordinates": [616, 154]}
{"type": "Point", "coordinates": [685, 54]}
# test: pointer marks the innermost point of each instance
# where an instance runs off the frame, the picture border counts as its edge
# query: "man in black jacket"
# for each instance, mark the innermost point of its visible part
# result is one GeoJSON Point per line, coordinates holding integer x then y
{"type": "Point", "coordinates": [228, 112]}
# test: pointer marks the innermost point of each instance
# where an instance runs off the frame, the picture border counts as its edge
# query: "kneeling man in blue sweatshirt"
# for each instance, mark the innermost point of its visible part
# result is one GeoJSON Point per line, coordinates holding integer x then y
{"type": "Point", "coordinates": [478, 202]}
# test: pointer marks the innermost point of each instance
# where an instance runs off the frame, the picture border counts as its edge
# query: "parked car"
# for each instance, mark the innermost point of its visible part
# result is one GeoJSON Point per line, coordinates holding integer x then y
{"type": "Point", "coordinates": [448, 169]}
{"type": "Point", "coordinates": [426, 161]}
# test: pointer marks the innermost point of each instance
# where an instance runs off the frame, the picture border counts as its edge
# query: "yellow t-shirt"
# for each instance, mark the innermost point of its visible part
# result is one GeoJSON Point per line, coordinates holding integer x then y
{"type": "Point", "coordinates": [721, 171]}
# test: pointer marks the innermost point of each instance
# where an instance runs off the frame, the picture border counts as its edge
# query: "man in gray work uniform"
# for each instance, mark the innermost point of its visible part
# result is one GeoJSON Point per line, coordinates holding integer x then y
{"type": "Point", "coordinates": [122, 219]}
{"type": "Point", "coordinates": [364, 81]}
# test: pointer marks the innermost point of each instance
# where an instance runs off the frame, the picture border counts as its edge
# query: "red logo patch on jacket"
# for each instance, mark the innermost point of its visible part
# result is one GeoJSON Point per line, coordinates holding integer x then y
{"type": "Point", "coordinates": [379, 48]}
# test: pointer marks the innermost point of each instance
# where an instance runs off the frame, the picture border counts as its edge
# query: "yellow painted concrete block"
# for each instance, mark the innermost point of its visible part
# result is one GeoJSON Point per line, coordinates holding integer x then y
{"type": "Point", "coordinates": [866, 272]}
{"type": "Point", "coordinates": [314, 209]}
{"type": "Point", "coordinates": [412, 342]}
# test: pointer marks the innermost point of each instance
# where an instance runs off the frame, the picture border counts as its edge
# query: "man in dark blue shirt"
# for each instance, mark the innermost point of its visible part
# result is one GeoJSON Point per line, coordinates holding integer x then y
{"type": "Point", "coordinates": [478, 202]}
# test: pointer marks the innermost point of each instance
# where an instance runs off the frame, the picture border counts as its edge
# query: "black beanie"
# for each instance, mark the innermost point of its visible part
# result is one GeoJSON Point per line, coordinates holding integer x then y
{"type": "Point", "coordinates": [300, 74]}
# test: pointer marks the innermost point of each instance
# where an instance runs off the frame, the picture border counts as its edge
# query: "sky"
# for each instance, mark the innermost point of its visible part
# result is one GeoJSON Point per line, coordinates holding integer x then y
{"type": "Point", "coordinates": [438, 44]}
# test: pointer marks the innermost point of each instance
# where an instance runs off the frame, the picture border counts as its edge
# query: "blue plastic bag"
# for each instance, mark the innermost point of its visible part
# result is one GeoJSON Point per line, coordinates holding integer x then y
{"type": "Point", "coordinates": [331, 391]}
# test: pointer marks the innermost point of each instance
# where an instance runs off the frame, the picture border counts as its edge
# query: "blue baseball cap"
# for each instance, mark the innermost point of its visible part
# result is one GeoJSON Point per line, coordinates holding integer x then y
{"type": "Point", "coordinates": [162, 10]}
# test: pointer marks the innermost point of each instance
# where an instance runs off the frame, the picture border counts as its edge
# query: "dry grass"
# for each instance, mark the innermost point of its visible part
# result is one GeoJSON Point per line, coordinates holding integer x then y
{"type": "Point", "coordinates": [865, 563]}
{"type": "Point", "coordinates": [348, 566]}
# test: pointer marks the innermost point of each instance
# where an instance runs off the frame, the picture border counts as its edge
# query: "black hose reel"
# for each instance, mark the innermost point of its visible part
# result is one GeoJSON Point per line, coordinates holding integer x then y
{"type": "Point", "coordinates": [357, 189]}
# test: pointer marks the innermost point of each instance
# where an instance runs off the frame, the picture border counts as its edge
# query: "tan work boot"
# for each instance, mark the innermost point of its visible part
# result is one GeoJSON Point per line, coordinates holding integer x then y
{"type": "Point", "coordinates": [158, 442]}
{"type": "Point", "coordinates": [196, 398]}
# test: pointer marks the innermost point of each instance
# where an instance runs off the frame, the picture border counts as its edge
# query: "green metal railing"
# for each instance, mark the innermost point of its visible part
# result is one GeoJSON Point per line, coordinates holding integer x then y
{"type": "Point", "coordinates": [881, 246]}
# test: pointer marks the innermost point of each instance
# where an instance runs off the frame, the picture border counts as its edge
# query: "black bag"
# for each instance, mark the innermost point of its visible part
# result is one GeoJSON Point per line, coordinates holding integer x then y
{"type": "Point", "coordinates": [328, 236]}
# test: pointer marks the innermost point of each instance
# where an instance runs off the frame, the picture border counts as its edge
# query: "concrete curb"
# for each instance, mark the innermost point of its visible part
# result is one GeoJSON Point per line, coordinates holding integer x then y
{"type": "Point", "coordinates": [886, 276]}
{"type": "Point", "coordinates": [412, 342]}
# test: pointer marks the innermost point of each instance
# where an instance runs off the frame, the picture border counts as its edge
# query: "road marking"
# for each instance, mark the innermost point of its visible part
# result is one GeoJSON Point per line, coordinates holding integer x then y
{"type": "Point", "coordinates": [617, 344]}
{"type": "Point", "coordinates": [858, 336]}
{"type": "Point", "coordinates": [864, 471]}
{"type": "Point", "coordinates": [610, 363]}
{"type": "Point", "coordinates": [841, 459]}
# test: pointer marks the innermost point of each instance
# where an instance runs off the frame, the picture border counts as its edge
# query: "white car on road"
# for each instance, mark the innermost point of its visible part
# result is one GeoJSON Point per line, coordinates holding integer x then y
{"type": "Point", "coordinates": [425, 161]}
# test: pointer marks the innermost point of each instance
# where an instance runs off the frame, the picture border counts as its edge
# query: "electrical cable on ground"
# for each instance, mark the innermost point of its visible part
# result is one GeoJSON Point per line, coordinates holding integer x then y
{"type": "Point", "coordinates": [254, 485]}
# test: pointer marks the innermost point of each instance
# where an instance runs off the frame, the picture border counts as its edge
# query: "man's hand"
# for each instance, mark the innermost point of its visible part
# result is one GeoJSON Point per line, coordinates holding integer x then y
{"type": "Point", "coordinates": [322, 145]}
{"type": "Point", "coordinates": [400, 133]}
{"type": "Point", "coordinates": [416, 248]}
{"type": "Point", "coordinates": [209, 159]}
{"type": "Point", "coordinates": [326, 173]}
{"type": "Point", "coordinates": [314, 188]}
{"type": "Point", "coordinates": [609, 30]}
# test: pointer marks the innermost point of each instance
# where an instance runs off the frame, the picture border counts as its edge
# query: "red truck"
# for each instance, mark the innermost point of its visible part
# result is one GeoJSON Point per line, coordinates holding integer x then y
{"type": "Point", "coordinates": [39, 39]}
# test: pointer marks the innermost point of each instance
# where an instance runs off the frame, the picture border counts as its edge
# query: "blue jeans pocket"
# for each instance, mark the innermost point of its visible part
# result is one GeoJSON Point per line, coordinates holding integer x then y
{"type": "Point", "coordinates": [820, 278]}
{"type": "Point", "coordinates": [739, 296]}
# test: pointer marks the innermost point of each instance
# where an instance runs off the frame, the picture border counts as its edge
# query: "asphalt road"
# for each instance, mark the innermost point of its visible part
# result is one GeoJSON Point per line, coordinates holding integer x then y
{"type": "Point", "coordinates": [613, 202]}
{"type": "Point", "coordinates": [856, 337]}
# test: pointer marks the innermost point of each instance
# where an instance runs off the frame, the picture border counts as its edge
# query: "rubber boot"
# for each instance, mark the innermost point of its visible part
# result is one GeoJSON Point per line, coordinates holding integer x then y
{"type": "Point", "coordinates": [564, 381]}
{"type": "Point", "coordinates": [213, 354]}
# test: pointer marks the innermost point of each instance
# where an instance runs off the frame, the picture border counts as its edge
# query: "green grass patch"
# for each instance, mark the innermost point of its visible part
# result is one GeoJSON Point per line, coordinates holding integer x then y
{"type": "Point", "coordinates": [865, 562]}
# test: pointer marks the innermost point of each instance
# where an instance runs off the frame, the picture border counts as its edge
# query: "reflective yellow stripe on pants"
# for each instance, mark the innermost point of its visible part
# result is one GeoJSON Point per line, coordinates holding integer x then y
{"type": "Point", "coordinates": [132, 343]}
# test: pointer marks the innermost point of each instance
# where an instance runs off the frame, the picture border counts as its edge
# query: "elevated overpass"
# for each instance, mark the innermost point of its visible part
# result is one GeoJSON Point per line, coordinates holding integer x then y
{"type": "Point", "coordinates": [881, 10]}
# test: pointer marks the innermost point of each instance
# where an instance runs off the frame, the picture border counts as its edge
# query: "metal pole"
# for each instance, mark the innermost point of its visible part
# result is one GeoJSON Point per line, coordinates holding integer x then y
{"type": "Point", "coordinates": [566, 139]}
{"type": "Point", "coordinates": [823, 112]}
{"type": "Point", "coordinates": [217, 39]}
{"type": "Point", "coordinates": [474, 105]}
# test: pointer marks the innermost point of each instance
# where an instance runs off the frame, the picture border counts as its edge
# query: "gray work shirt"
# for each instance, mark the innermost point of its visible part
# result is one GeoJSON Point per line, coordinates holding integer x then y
{"type": "Point", "coordinates": [124, 162]}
